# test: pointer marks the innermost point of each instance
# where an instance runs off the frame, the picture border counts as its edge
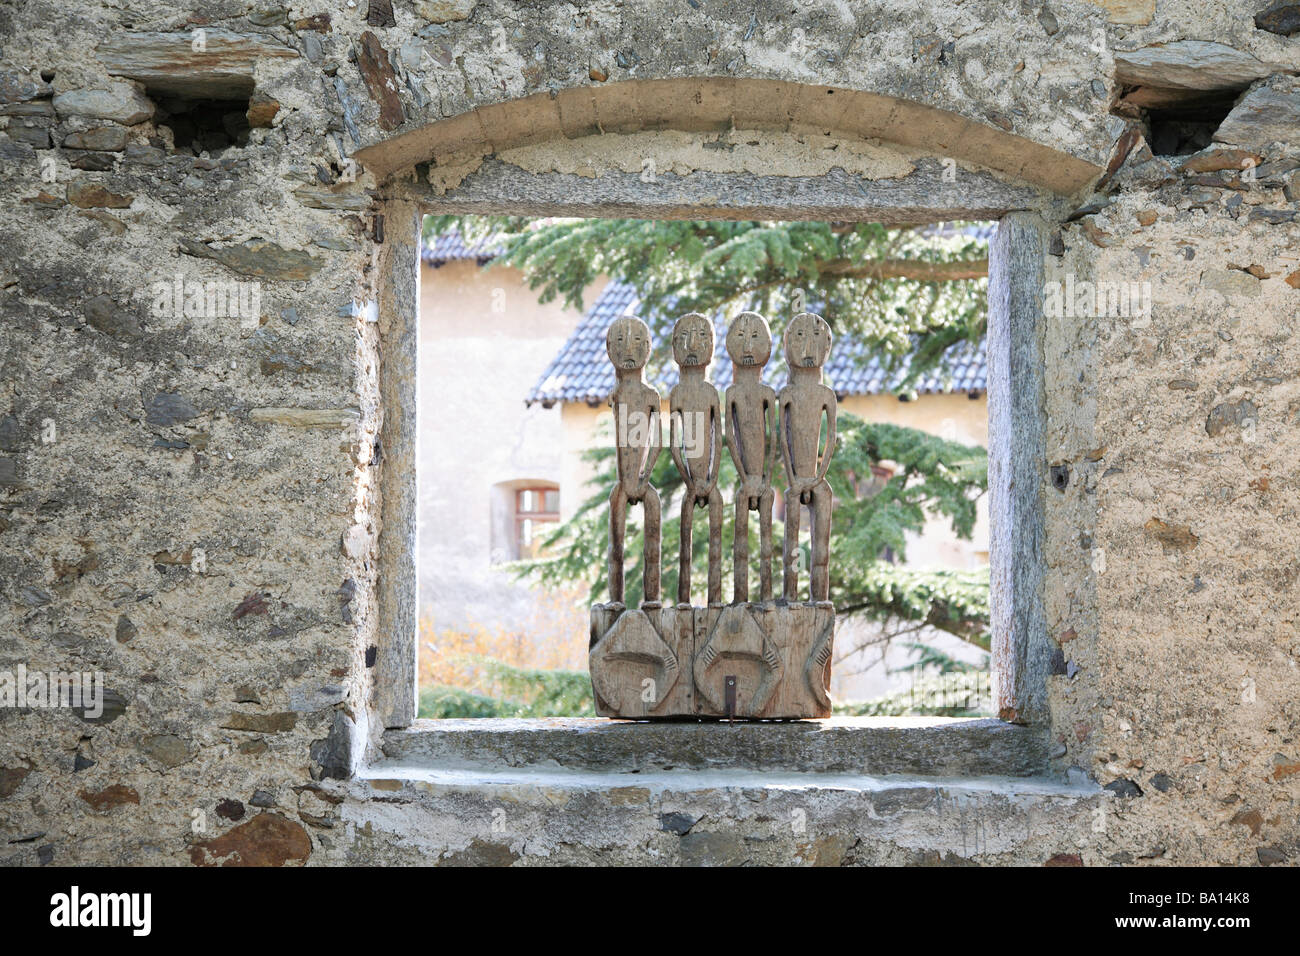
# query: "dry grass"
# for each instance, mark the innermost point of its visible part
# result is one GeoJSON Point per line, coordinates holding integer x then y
{"type": "Point", "coordinates": [555, 638]}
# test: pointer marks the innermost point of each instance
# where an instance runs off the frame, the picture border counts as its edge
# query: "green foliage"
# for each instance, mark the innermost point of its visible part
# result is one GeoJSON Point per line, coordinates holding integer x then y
{"type": "Point", "coordinates": [440, 702]}
{"type": "Point", "coordinates": [680, 266]}
{"type": "Point", "coordinates": [517, 692]}
{"type": "Point", "coordinates": [933, 477]}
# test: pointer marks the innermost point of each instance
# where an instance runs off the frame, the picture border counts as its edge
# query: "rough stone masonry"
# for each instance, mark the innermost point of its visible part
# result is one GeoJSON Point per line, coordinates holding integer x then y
{"type": "Point", "coordinates": [192, 495]}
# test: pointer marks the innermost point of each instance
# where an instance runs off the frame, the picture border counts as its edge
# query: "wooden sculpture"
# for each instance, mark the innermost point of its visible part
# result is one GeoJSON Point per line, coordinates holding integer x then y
{"type": "Point", "coordinates": [638, 441]}
{"type": "Point", "coordinates": [696, 445]}
{"type": "Point", "coordinates": [745, 660]}
{"type": "Point", "coordinates": [803, 403]}
{"type": "Point", "coordinates": [751, 439]}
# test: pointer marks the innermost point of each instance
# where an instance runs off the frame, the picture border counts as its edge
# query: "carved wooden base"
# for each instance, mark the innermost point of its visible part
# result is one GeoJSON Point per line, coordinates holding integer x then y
{"type": "Point", "coordinates": [741, 661]}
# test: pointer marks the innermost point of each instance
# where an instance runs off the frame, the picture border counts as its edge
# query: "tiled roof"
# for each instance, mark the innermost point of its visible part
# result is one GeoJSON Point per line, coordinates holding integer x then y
{"type": "Point", "coordinates": [580, 371]}
{"type": "Point", "coordinates": [449, 246]}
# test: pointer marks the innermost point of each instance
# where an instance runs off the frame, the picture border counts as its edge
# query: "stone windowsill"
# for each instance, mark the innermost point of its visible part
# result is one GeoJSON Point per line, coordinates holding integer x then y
{"type": "Point", "coordinates": [513, 750]}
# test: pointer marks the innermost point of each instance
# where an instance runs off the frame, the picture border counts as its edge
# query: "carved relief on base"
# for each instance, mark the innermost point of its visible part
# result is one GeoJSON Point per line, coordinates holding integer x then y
{"type": "Point", "coordinates": [743, 661]}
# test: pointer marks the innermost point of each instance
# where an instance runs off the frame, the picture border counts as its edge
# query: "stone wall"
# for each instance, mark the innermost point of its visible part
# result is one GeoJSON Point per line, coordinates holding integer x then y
{"type": "Point", "coordinates": [191, 493]}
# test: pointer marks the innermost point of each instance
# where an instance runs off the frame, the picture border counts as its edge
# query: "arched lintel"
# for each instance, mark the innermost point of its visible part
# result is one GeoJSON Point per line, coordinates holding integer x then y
{"type": "Point", "coordinates": [713, 104]}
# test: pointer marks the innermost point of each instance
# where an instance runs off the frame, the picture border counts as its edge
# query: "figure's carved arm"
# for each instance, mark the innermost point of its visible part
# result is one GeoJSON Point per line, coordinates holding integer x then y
{"type": "Point", "coordinates": [655, 445]}
{"type": "Point", "coordinates": [618, 444]}
{"type": "Point", "coordinates": [715, 439]}
{"type": "Point", "coordinates": [825, 464]}
{"type": "Point", "coordinates": [783, 431]}
{"type": "Point", "coordinates": [735, 443]}
{"type": "Point", "coordinates": [675, 447]}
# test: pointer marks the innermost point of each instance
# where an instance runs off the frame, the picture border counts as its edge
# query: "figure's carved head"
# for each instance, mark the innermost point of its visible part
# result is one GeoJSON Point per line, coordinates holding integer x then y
{"type": "Point", "coordinates": [693, 340]}
{"type": "Point", "coordinates": [807, 341]}
{"type": "Point", "coordinates": [749, 340]}
{"type": "Point", "coordinates": [627, 343]}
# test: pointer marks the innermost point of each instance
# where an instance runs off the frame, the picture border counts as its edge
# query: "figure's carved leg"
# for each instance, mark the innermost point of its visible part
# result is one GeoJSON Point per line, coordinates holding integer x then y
{"type": "Point", "coordinates": [684, 554]}
{"type": "Point", "coordinates": [653, 538]}
{"type": "Point", "coordinates": [821, 542]}
{"type": "Point", "coordinates": [740, 549]}
{"type": "Point", "coordinates": [765, 544]}
{"type": "Point", "coordinates": [715, 546]}
{"type": "Point", "coordinates": [617, 526]}
{"type": "Point", "coordinates": [790, 547]}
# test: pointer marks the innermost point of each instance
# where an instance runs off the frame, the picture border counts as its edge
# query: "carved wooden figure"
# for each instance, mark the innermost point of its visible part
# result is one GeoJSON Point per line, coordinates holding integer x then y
{"type": "Point", "coordinates": [638, 442]}
{"type": "Point", "coordinates": [696, 439]}
{"type": "Point", "coordinates": [751, 438]}
{"type": "Point", "coordinates": [749, 661]}
{"type": "Point", "coordinates": [803, 403]}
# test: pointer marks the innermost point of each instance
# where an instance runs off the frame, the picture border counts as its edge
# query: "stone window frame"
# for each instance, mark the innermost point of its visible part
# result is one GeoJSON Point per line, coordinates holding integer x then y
{"type": "Point", "coordinates": [1021, 651]}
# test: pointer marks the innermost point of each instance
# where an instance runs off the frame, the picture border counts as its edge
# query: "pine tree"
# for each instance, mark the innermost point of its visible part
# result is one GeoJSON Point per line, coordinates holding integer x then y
{"type": "Point", "coordinates": [903, 292]}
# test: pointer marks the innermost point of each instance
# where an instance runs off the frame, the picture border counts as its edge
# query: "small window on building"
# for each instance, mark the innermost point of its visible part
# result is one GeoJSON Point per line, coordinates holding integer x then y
{"type": "Point", "coordinates": [535, 509]}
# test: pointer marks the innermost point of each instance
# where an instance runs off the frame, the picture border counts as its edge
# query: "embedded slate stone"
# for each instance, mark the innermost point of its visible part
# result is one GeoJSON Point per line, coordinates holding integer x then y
{"type": "Point", "coordinates": [125, 630]}
{"type": "Point", "coordinates": [1230, 415]}
{"type": "Point", "coordinates": [334, 753]}
{"type": "Point", "coordinates": [95, 196]}
{"type": "Point", "coordinates": [262, 111]}
{"type": "Point", "coordinates": [1230, 282]}
{"type": "Point", "coordinates": [168, 749]}
{"type": "Point", "coordinates": [11, 433]}
{"type": "Point", "coordinates": [107, 138]}
{"type": "Point", "coordinates": [18, 87]}
{"type": "Point", "coordinates": [230, 810]}
{"type": "Point", "coordinates": [1191, 65]}
{"type": "Point", "coordinates": [114, 706]}
{"type": "Point", "coordinates": [9, 471]}
{"type": "Point", "coordinates": [33, 136]}
{"type": "Point", "coordinates": [381, 81]}
{"type": "Point", "coordinates": [1172, 537]}
{"type": "Point", "coordinates": [262, 723]}
{"type": "Point", "coordinates": [678, 823]}
{"type": "Point", "coordinates": [266, 840]}
{"type": "Point", "coordinates": [11, 778]}
{"type": "Point", "coordinates": [103, 315]}
{"type": "Point", "coordinates": [379, 13]}
{"type": "Point", "coordinates": [1213, 160]}
{"type": "Point", "coordinates": [117, 101]}
{"type": "Point", "coordinates": [481, 853]}
{"type": "Point", "coordinates": [115, 796]}
{"type": "Point", "coordinates": [167, 409]}
{"type": "Point", "coordinates": [1268, 113]}
{"type": "Point", "coordinates": [1282, 17]}
{"type": "Point", "coordinates": [258, 258]}
{"type": "Point", "coordinates": [1123, 787]}
{"type": "Point", "coordinates": [168, 62]}
{"type": "Point", "coordinates": [1268, 855]}
{"type": "Point", "coordinates": [253, 603]}
{"type": "Point", "coordinates": [94, 162]}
